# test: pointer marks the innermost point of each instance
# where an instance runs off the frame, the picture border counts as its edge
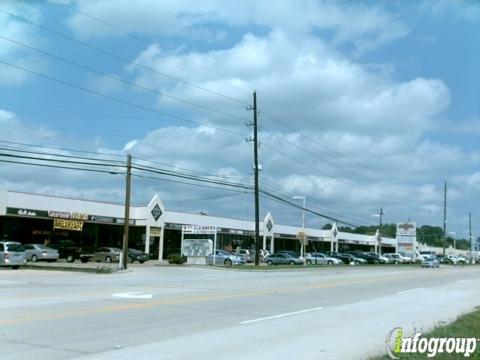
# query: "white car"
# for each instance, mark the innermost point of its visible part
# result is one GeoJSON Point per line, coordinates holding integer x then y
{"type": "Point", "coordinates": [457, 259]}
{"type": "Point", "coordinates": [398, 259]}
{"type": "Point", "coordinates": [319, 258]}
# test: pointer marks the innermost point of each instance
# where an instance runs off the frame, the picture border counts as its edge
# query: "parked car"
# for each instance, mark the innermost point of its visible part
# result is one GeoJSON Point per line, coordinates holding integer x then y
{"type": "Point", "coordinates": [289, 252]}
{"type": "Point", "coordinates": [369, 258]}
{"type": "Point", "coordinates": [322, 259]}
{"type": "Point", "coordinates": [223, 257]}
{"type": "Point", "coordinates": [38, 252]}
{"type": "Point", "coordinates": [247, 255]}
{"type": "Point", "coordinates": [283, 259]}
{"type": "Point", "coordinates": [137, 255]}
{"type": "Point", "coordinates": [66, 249]}
{"type": "Point", "coordinates": [107, 254]}
{"type": "Point", "coordinates": [349, 258]}
{"type": "Point", "coordinates": [263, 255]}
{"type": "Point", "coordinates": [397, 258]}
{"type": "Point", "coordinates": [12, 254]}
{"type": "Point", "coordinates": [430, 262]}
{"type": "Point", "coordinates": [381, 259]}
{"type": "Point", "coordinates": [333, 254]}
{"type": "Point", "coordinates": [457, 259]}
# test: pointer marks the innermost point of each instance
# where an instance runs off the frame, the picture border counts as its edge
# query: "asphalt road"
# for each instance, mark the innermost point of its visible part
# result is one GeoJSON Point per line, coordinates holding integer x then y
{"type": "Point", "coordinates": [194, 313]}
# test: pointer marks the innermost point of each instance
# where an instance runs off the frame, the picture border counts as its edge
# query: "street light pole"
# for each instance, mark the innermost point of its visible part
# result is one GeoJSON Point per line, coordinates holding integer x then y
{"type": "Point", "coordinates": [454, 239]}
{"type": "Point", "coordinates": [380, 216]}
{"type": "Point", "coordinates": [302, 248]}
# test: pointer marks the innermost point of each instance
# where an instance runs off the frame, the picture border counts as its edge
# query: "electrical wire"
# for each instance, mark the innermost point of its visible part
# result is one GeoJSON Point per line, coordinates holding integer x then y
{"type": "Point", "coordinates": [122, 59]}
{"type": "Point", "coordinates": [124, 102]}
{"type": "Point", "coordinates": [118, 79]}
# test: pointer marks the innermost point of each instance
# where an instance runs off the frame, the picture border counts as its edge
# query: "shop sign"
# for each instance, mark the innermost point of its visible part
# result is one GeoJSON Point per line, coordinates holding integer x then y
{"type": "Point", "coordinates": [155, 231]}
{"type": "Point", "coordinates": [172, 226]}
{"type": "Point", "coordinates": [235, 231]}
{"type": "Point", "coordinates": [199, 229]}
{"type": "Point", "coordinates": [67, 215]}
{"type": "Point", "coordinates": [197, 247]}
{"type": "Point", "coordinates": [109, 220]}
{"type": "Point", "coordinates": [104, 219]}
{"type": "Point", "coordinates": [407, 229]}
{"type": "Point", "coordinates": [64, 224]}
{"type": "Point", "coordinates": [26, 212]}
{"type": "Point", "coordinates": [122, 221]}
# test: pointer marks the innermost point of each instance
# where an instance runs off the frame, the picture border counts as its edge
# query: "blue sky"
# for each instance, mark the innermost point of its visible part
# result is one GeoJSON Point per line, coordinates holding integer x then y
{"type": "Point", "coordinates": [382, 100]}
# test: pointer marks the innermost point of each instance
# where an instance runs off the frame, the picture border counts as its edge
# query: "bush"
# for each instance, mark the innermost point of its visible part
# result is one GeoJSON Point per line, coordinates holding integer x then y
{"type": "Point", "coordinates": [177, 259]}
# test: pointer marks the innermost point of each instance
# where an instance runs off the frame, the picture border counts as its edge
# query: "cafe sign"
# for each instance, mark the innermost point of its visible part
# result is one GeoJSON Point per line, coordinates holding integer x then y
{"type": "Point", "coordinates": [68, 215]}
{"type": "Point", "coordinates": [65, 224]}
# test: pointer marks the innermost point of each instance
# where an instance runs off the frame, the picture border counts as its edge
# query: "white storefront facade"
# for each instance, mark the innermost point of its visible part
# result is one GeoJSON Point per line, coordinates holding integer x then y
{"type": "Point", "coordinates": [33, 218]}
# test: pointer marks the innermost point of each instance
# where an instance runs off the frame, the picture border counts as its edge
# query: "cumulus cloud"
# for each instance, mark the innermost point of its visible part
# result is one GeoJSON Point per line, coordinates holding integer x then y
{"type": "Point", "coordinates": [332, 92]}
{"type": "Point", "coordinates": [21, 32]}
{"type": "Point", "coordinates": [361, 26]}
{"type": "Point", "coordinates": [355, 142]}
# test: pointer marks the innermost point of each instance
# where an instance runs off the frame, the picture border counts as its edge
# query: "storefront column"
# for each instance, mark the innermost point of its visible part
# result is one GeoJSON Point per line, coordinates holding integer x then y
{"type": "Point", "coordinates": [264, 241]}
{"type": "Point", "coordinates": [272, 242]}
{"type": "Point", "coordinates": [147, 239]}
{"type": "Point", "coordinates": [160, 244]}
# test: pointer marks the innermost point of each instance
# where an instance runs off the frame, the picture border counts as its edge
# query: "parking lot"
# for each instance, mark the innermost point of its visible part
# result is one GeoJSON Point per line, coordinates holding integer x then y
{"type": "Point", "coordinates": [165, 312]}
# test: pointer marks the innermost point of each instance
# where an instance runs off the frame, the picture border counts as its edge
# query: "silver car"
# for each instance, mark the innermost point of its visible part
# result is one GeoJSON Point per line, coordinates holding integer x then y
{"type": "Point", "coordinates": [107, 254]}
{"type": "Point", "coordinates": [283, 259]}
{"type": "Point", "coordinates": [37, 252]}
{"type": "Point", "coordinates": [12, 254]}
{"type": "Point", "coordinates": [319, 258]}
{"type": "Point", "coordinates": [223, 257]}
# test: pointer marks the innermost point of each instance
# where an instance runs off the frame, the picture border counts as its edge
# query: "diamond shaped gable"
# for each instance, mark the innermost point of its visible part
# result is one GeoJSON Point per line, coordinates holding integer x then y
{"type": "Point", "coordinates": [156, 212]}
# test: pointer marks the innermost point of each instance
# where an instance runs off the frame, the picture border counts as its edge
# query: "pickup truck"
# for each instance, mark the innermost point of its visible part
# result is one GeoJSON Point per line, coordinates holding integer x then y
{"type": "Point", "coordinates": [69, 251]}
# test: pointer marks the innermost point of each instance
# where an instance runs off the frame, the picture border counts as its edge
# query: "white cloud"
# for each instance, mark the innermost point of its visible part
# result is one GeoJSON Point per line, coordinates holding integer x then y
{"type": "Point", "coordinates": [23, 33]}
{"type": "Point", "coordinates": [363, 27]}
{"type": "Point", "coordinates": [306, 74]}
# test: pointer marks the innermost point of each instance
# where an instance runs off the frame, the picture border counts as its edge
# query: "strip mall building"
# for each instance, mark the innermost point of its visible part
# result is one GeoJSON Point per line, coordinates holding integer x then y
{"type": "Point", "coordinates": [33, 218]}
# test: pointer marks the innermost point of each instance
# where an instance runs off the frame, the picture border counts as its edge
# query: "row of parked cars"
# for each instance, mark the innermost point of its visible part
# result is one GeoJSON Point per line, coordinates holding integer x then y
{"type": "Point", "coordinates": [285, 257]}
{"type": "Point", "coordinates": [335, 258]}
{"type": "Point", "coordinates": [14, 254]}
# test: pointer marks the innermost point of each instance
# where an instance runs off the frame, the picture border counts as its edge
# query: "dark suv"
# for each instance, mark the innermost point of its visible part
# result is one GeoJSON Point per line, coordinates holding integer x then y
{"type": "Point", "coordinates": [69, 251]}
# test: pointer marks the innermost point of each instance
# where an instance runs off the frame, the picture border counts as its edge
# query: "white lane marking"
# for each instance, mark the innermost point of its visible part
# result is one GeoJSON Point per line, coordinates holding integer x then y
{"type": "Point", "coordinates": [464, 281]}
{"type": "Point", "coordinates": [280, 315]}
{"type": "Point", "coordinates": [410, 291]}
{"type": "Point", "coordinates": [132, 295]}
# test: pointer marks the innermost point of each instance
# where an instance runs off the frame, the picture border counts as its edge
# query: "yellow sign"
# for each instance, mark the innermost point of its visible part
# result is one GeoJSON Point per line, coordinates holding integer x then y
{"type": "Point", "coordinates": [155, 231]}
{"type": "Point", "coordinates": [64, 224]}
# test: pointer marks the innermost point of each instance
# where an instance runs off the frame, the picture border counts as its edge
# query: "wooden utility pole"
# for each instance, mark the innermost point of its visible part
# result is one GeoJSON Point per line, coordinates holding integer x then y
{"type": "Point", "coordinates": [380, 215]}
{"type": "Point", "coordinates": [255, 165]}
{"type": "Point", "coordinates": [444, 218]}
{"type": "Point", "coordinates": [126, 224]}
{"type": "Point", "coordinates": [470, 234]}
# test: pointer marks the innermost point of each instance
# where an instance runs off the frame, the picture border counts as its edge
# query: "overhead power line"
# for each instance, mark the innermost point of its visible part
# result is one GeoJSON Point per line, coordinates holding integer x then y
{"type": "Point", "coordinates": [120, 80]}
{"type": "Point", "coordinates": [122, 59]}
{"type": "Point", "coordinates": [290, 203]}
{"type": "Point", "coordinates": [118, 100]}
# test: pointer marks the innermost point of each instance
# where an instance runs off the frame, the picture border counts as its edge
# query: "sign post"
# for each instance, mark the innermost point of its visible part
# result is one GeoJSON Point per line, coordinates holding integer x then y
{"type": "Point", "coordinates": [199, 243]}
{"type": "Point", "coordinates": [406, 237]}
